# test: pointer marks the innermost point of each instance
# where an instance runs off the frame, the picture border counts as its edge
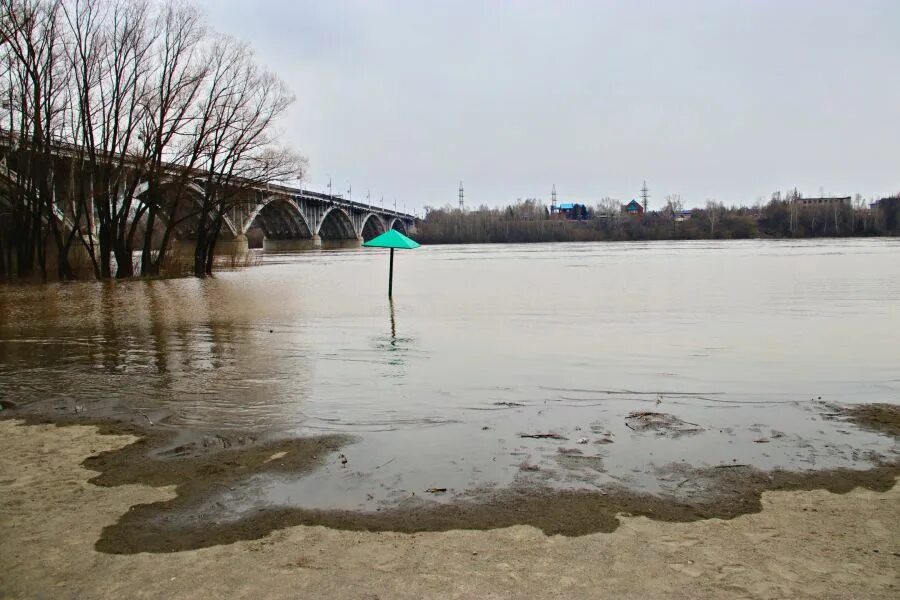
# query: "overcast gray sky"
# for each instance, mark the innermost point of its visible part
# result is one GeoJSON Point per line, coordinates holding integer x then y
{"type": "Point", "coordinates": [720, 99]}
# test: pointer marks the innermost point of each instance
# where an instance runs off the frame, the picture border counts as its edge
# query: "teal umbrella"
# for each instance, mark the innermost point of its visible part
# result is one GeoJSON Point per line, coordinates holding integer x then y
{"type": "Point", "coordinates": [391, 239]}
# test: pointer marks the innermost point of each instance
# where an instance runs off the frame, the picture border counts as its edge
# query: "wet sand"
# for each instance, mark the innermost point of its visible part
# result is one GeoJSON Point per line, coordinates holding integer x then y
{"type": "Point", "coordinates": [799, 544]}
{"type": "Point", "coordinates": [201, 469]}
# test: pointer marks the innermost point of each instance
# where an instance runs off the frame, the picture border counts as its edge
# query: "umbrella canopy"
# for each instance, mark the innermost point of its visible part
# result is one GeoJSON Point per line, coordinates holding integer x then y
{"type": "Point", "coordinates": [391, 239]}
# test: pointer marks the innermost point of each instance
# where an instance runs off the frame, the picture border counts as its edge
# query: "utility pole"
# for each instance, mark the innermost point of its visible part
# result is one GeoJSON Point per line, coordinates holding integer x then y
{"type": "Point", "coordinates": [461, 195]}
{"type": "Point", "coordinates": [645, 195]}
{"type": "Point", "coordinates": [553, 200]}
{"type": "Point", "coordinates": [350, 192]}
{"type": "Point", "coordinates": [329, 186]}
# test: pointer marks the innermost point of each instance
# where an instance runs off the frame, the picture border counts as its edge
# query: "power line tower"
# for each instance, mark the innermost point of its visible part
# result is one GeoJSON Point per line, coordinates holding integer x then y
{"type": "Point", "coordinates": [553, 200]}
{"type": "Point", "coordinates": [645, 195]}
{"type": "Point", "coordinates": [461, 195]}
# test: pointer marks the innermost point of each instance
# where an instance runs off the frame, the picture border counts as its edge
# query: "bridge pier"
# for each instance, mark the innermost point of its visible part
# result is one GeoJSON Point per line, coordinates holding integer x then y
{"type": "Point", "coordinates": [300, 245]}
{"type": "Point", "coordinates": [342, 243]}
{"type": "Point", "coordinates": [234, 247]}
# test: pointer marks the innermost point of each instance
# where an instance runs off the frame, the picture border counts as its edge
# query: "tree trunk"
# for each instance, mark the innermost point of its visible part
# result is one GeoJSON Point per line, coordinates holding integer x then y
{"type": "Point", "coordinates": [200, 252]}
{"type": "Point", "coordinates": [3, 271]}
{"type": "Point", "coordinates": [149, 266]}
{"type": "Point", "coordinates": [124, 259]}
{"type": "Point", "coordinates": [211, 247]}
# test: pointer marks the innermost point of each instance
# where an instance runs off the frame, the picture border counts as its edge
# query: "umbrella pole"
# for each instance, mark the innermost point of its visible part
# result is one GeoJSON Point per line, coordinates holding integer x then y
{"type": "Point", "coordinates": [391, 276]}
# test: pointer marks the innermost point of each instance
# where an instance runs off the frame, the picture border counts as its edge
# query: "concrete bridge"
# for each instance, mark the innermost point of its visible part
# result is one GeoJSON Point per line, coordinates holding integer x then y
{"type": "Point", "coordinates": [290, 218]}
{"type": "Point", "coordinates": [296, 219]}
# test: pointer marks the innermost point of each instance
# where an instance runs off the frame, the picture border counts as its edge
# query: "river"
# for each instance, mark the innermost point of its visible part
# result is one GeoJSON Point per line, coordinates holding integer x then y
{"type": "Point", "coordinates": [746, 343]}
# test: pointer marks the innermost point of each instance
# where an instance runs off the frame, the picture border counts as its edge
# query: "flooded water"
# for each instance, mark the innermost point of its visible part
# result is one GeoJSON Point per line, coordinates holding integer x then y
{"type": "Point", "coordinates": [743, 342]}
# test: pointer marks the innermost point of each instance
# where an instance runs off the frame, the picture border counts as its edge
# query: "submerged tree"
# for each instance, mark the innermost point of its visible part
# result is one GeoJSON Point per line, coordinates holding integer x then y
{"type": "Point", "coordinates": [36, 94]}
{"type": "Point", "coordinates": [236, 151]}
{"type": "Point", "coordinates": [124, 120]}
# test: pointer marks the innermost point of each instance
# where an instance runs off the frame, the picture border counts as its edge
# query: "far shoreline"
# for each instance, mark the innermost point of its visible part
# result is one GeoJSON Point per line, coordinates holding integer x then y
{"type": "Point", "coordinates": [635, 241]}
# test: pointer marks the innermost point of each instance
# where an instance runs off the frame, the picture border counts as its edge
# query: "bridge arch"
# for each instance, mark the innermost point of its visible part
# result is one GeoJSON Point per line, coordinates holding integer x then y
{"type": "Point", "coordinates": [399, 225]}
{"type": "Point", "coordinates": [373, 226]}
{"type": "Point", "coordinates": [336, 224]}
{"type": "Point", "coordinates": [185, 223]}
{"type": "Point", "coordinates": [280, 219]}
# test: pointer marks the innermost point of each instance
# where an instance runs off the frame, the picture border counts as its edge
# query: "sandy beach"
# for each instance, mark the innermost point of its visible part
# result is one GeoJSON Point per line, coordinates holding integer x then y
{"type": "Point", "coordinates": [802, 544]}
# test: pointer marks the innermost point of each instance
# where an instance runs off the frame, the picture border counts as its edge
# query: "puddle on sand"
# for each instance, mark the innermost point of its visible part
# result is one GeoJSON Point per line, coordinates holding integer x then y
{"type": "Point", "coordinates": [595, 446]}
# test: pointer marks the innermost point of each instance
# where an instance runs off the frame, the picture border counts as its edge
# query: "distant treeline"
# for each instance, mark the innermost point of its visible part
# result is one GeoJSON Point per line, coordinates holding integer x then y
{"type": "Point", "coordinates": [784, 216]}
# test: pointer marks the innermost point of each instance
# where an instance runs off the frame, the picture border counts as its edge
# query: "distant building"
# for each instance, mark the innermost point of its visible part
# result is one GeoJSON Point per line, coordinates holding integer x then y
{"type": "Point", "coordinates": [823, 201]}
{"type": "Point", "coordinates": [682, 215]}
{"type": "Point", "coordinates": [883, 202]}
{"type": "Point", "coordinates": [633, 208]}
{"type": "Point", "coordinates": [573, 211]}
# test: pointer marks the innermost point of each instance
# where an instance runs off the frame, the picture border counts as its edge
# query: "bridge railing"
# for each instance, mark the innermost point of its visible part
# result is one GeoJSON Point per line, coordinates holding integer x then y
{"type": "Point", "coordinates": [337, 200]}
{"type": "Point", "coordinates": [62, 148]}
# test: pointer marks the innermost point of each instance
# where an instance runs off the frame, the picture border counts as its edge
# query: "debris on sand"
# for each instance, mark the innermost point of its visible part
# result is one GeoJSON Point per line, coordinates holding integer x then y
{"type": "Point", "coordinates": [220, 441]}
{"type": "Point", "coordinates": [879, 417]}
{"type": "Point", "coordinates": [570, 451]}
{"type": "Point", "coordinates": [543, 436]}
{"type": "Point", "coordinates": [661, 423]}
{"type": "Point", "coordinates": [207, 445]}
{"type": "Point", "coordinates": [436, 490]}
{"type": "Point", "coordinates": [583, 440]}
{"type": "Point", "coordinates": [606, 436]}
{"type": "Point", "coordinates": [529, 467]}
{"type": "Point", "coordinates": [508, 404]}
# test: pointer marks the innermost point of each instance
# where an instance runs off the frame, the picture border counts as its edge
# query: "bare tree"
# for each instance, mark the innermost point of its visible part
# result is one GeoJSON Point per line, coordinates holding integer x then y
{"type": "Point", "coordinates": [674, 204]}
{"type": "Point", "coordinates": [122, 119]}
{"type": "Point", "coordinates": [860, 213]}
{"type": "Point", "coordinates": [672, 210]}
{"type": "Point", "coordinates": [170, 115]}
{"type": "Point", "coordinates": [110, 55]}
{"type": "Point", "coordinates": [235, 139]}
{"type": "Point", "coordinates": [793, 200]}
{"type": "Point", "coordinates": [714, 211]}
{"type": "Point", "coordinates": [609, 207]}
{"type": "Point", "coordinates": [36, 79]}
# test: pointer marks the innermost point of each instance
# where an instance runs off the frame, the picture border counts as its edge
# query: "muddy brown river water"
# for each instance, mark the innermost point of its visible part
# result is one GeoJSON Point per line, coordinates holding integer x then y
{"type": "Point", "coordinates": [630, 362]}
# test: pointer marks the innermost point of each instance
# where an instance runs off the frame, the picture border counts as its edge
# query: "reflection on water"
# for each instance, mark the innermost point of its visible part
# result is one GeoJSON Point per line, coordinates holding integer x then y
{"type": "Point", "coordinates": [161, 347]}
{"type": "Point", "coordinates": [395, 347]}
{"type": "Point", "coordinates": [393, 322]}
{"type": "Point", "coordinates": [483, 344]}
